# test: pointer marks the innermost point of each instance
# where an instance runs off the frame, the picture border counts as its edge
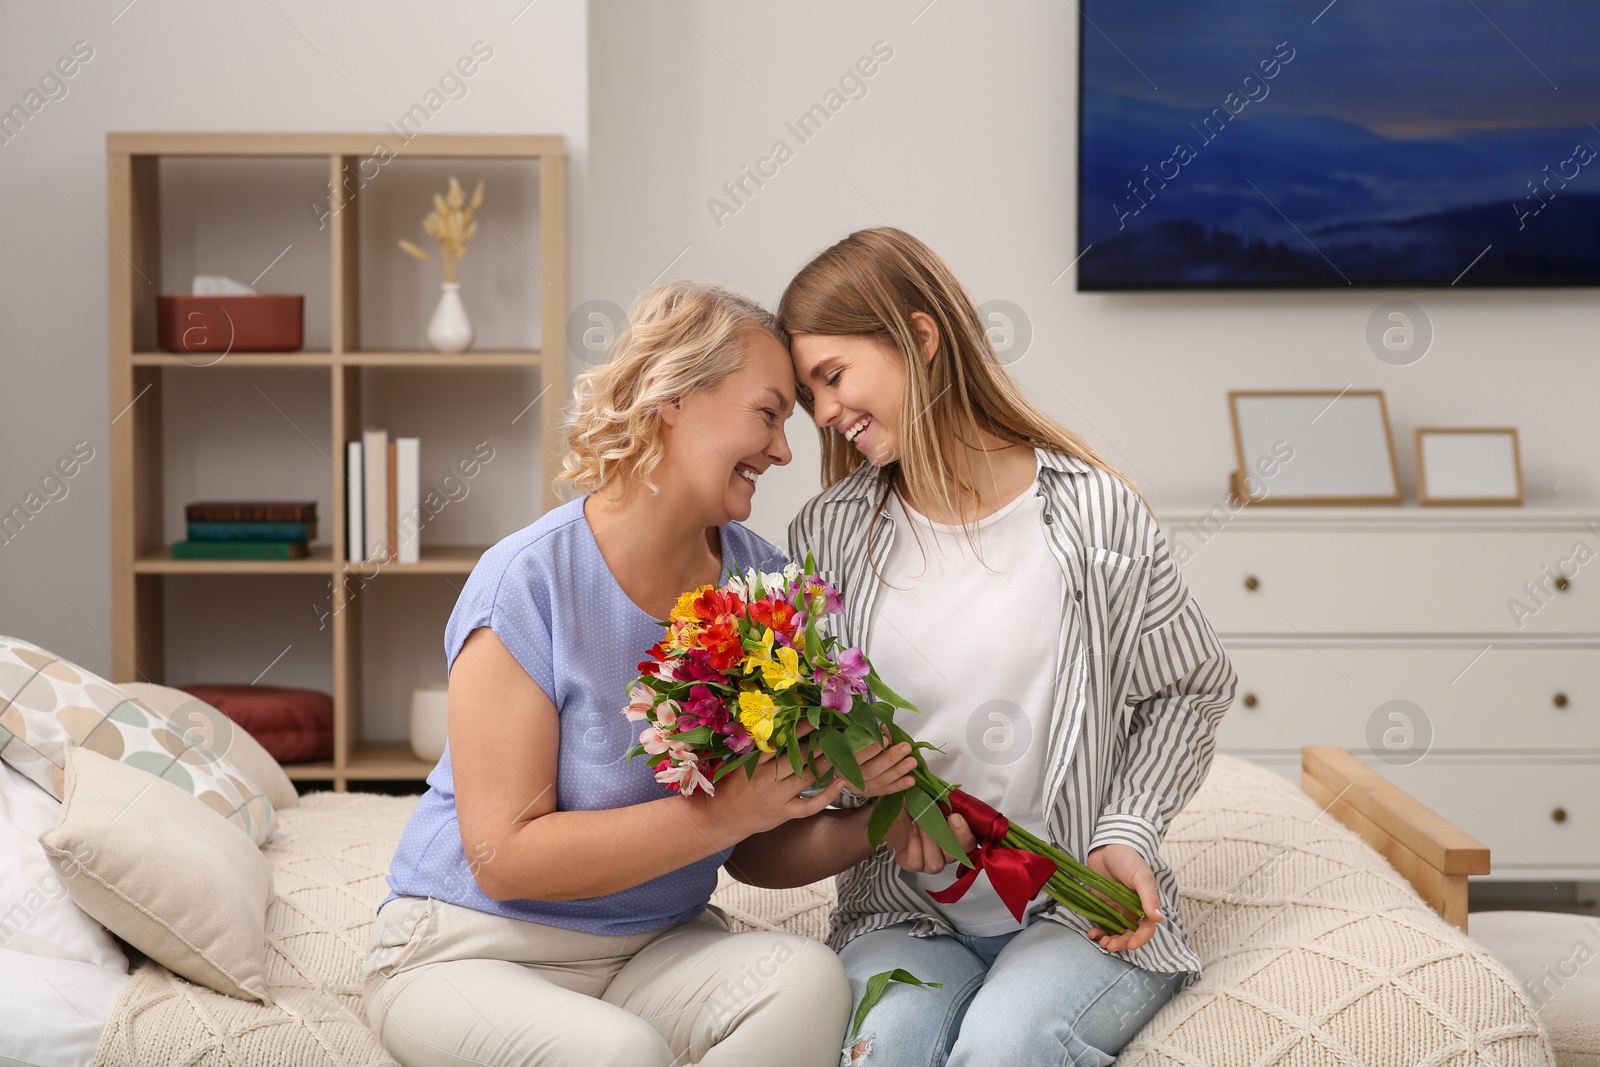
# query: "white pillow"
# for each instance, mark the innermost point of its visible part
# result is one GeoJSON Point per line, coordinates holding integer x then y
{"type": "Point", "coordinates": [53, 1011]}
{"type": "Point", "coordinates": [37, 916]}
{"type": "Point", "coordinates": [165, 873]}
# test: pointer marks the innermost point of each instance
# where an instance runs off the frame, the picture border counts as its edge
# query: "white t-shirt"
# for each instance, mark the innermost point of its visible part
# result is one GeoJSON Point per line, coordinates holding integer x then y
{"type": "Point", "coordinates": [973, 645]}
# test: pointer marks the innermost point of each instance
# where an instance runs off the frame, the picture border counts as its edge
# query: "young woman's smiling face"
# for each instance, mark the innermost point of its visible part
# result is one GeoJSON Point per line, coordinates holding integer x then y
{"type": "Point", "coordinates": [857, 384]}
{"type": "Point", "coordinates": [720, 440]}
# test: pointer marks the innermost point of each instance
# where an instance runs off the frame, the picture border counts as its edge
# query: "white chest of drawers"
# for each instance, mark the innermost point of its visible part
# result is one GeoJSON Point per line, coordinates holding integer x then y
{"type": "Point", "coordinates": [1457, 651]}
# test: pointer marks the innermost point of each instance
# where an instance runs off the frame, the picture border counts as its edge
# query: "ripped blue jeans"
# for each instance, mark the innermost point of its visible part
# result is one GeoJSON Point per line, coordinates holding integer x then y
{"type": "Point", "coordinates": [1043, 995]}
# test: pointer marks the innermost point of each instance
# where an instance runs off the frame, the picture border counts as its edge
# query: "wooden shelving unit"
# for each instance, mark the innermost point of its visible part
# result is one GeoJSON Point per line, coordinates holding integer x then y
{"type": "Point", "coordinates": [140, 557]}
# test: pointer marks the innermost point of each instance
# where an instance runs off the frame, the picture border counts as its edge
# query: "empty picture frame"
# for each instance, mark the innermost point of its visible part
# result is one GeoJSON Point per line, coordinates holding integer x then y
{"type": "Point", "coordinates": [1313, 447]}
{"type": "Point", "coordinates": [1468, 466]}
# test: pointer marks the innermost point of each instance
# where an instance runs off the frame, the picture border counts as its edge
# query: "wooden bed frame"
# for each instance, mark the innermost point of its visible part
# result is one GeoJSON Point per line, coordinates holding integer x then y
{"type": "Point", "coordinates": [1429, 851]}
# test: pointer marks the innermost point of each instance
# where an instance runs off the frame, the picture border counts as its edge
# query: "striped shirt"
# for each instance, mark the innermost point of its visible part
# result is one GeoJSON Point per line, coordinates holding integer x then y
{"type": "Point", "coordinates": [1142, 683]}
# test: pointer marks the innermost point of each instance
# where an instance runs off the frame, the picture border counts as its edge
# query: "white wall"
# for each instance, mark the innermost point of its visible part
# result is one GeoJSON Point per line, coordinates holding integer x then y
{"type": "Point", "coordinates": [966, 138]}
{"type": "Point", "coordinates": [288, 65]}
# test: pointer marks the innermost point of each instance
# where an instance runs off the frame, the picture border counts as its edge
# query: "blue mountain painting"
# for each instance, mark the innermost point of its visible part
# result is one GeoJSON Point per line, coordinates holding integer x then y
{"type": "Point", "coordinates": [1361, 143]}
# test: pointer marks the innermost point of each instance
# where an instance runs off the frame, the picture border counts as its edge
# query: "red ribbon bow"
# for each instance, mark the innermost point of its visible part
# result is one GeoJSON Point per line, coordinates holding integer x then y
{"type": "Point", "coordinates": [1016, 874]}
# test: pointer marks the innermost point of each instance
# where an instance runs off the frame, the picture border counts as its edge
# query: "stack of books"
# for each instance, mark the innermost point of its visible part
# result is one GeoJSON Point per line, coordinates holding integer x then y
{"type": "Point", "coordinates": [383, 519]}
{"type": "Point", "coordinates": [248, 529]}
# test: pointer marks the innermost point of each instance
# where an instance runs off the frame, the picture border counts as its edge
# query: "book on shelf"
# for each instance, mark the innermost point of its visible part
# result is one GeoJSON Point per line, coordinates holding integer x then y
{"type": "Point", "coordinates": [250, 511]}
{"type": "Point", "coordinates": [408, 491]}
{"type": "Point", "coordinates": [355, 534]}
{"type": "Point", "coordinates": [252, 531]}
{"type": "Point", "coordinates": [382, 501]}
{"type": "Point", "coordinates": [240, 550]}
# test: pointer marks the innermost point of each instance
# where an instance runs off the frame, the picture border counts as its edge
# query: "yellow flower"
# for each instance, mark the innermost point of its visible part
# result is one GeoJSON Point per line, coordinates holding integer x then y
{"type": "Point", "coordinates": [779, 673]}
{"type": "Point", "coordinates": [756, 710]}
{"type": "Point", "coordinates": [683, 611]}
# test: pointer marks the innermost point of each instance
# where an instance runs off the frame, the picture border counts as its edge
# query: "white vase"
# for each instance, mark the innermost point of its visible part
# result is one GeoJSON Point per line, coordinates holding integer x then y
{"type": "Point", "coordinates": [428, 720]}
{"type": "Point", "coordinates": [449, 330]}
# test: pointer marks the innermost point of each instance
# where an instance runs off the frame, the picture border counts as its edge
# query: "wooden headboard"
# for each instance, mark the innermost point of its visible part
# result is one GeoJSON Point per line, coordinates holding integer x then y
{"type": "Point", "coordinates": [1428, 850]}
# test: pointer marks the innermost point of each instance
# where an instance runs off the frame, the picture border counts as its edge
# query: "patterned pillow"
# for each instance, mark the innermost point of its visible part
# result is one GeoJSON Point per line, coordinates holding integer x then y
{"type": "Point", "coordinates": [48, 705]}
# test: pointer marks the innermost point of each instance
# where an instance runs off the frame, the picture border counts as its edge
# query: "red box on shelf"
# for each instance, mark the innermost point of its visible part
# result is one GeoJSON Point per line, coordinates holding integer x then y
{"type": "Point", "coordinates": [267, 322]}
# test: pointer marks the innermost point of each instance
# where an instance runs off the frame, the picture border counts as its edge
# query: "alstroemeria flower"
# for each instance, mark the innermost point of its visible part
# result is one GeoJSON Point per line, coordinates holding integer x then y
{"type": "Point", "coordinates": [640, 697]}
{"type": "Point", "coordinates": [774, 614]}
{"type": "Point", "coordinates": [756, 710]}
{"type": "Point", "coordinates": [652, 740]}
{"type": "Point", "coordinates": [778, 672]}
{"type": "Point", "coordinates": [848, 678]}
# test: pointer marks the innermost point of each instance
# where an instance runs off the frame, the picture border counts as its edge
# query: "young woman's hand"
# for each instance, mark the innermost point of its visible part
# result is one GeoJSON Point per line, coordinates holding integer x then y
{"type": "Point", "coordinates": [914, 850]}
{"type": "Point", "coordinates": [1125, 864]}
{"type": "Point", "coordinates": [886, 770]}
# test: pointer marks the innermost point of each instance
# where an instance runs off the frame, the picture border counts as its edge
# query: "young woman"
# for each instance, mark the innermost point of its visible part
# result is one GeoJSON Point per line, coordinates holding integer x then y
{"type": "Point", "coordinates": [549, 898]}
{"type": "Point", "coordinates": [1007, 581]}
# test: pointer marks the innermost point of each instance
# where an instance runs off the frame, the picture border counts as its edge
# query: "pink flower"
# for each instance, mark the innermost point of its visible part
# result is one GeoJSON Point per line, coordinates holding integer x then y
{"type": "Point", "coordinates": [685, 777]}
{"type": "Point", "coordinates": [739, 739]}
{"type": "Point", "coordinates": [703, 708]}
{"type": "Point", "coordinates": [652, 740]}
{"type": "Point", "coordinates": [839, 685]}
{"type": "Point", "coordinates": [639, 699]}
{"type": "Point", "coordinates": [667, 712]}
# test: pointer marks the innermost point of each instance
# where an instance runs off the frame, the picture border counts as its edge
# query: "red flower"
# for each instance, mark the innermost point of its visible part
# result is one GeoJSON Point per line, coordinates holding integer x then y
{"type": "Point", "coordinates": [658, 656]}
{"type": "Point", "coordinates": [713, 604]}
{"type": "Point", "coordinates": [722, 641]}
{"type": "Point", "coordinates": [777, 615]}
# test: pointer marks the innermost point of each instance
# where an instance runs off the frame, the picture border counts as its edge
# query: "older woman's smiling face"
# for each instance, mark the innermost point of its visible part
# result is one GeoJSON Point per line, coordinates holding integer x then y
{"type": "Point", "coordinates": [719, 441]}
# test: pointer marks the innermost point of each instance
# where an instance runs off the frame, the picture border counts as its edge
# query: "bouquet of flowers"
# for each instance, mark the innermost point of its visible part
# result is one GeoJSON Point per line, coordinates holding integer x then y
{"type": "Point", "coordinates": [744, 663]}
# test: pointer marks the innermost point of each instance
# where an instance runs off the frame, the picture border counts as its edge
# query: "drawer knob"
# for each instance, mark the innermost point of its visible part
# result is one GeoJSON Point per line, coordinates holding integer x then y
{"type": "Point", "coordinates": [1559, 700]}
{"type": "Point", "coordinates": [1252, 582]}
{"type": "Point", "coordinates": [1559, 815]}
{"type": "Point", "coordinates": [1562, 583]}
{"type": "Point", "coordinates": [1249, 700]}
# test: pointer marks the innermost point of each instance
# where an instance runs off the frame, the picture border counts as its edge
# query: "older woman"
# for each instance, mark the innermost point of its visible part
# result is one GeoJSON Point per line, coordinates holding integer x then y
{"type": "Point", "coordinates": [549, 898]}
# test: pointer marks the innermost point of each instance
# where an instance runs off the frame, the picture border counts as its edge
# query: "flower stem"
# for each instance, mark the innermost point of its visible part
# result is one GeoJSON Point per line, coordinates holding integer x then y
{"type": "Point", "coordinates": [1074, 882]}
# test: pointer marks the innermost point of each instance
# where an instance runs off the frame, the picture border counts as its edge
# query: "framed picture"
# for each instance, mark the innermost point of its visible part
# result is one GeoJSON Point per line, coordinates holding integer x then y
{"type": "Point", "coordinates": [1476, 466]}
{"type": "Point", "coordinates": [1313, 447]}
{"type": "Point", "coordinates": [1401, 145]}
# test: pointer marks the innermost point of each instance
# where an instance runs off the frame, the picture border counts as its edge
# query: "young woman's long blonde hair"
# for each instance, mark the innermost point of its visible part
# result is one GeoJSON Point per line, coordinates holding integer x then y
{"type": "Point", "coordinates": [869, 284]}
{"type": "Point", "coordinates": [679, 337]}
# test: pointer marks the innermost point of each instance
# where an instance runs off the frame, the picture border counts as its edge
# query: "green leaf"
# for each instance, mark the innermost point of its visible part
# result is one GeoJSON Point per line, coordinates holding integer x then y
{"type": "Point", "coordinates": [731, 764]}
{"type": "Point", "coordinates": [885, 810]}
{"type": "Point", "coordinates": [794, 754]}
{"type": "Point", "coordinates": [881, 690]}
{"type": "Point", "coordinates": [875, 989]}
{"type": "Point", "coordinates": [934, 824]}
{"type": "Point", "coordinates": [699, 736]}
{"type": "Point", "coordinates": [839, 753]}
{"type": "Point", "coordinates": [810, 566]}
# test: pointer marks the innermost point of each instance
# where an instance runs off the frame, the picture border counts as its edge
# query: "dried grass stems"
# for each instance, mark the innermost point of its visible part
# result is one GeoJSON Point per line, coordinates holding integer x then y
{"type": "Point", "coordinates": [452, 224]}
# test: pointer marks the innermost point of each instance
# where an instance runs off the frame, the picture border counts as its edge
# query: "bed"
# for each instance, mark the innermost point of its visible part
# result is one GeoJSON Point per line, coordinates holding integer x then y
{"type": "Point", "coordinates": [1330, 921]}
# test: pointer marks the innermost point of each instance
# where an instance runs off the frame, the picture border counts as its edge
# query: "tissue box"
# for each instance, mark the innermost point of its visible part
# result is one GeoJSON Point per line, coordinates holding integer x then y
{"type": "Point", "coordinates": [269, 322]}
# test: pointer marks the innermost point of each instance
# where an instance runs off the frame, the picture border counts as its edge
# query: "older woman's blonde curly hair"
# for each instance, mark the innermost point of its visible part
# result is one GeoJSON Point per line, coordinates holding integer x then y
{"type": "Point", "coordinates": [679, 337]}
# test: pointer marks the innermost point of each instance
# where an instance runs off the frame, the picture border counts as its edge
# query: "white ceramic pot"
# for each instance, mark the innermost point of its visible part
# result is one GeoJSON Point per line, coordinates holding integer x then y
{"type": "Point", "coordinates": [449, 330]}
{"type": "Point", "coordinates": [428, 720]}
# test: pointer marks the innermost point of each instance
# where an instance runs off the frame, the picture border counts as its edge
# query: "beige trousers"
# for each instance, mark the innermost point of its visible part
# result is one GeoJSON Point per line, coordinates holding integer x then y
{"type": "Point", "coordinates": [445, 984]}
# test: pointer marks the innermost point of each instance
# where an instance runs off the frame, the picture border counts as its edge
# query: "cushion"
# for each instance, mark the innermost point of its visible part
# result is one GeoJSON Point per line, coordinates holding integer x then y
{"type": "Point", "coordinates": [328, 862]}
{"type": "Point", "coordinates": [39, 918]}
{"type": "Point", "coordinates": [226, 739]}
{"type": "Point", "coordinates": [54, 1010]}
{"type": "Point", "coordinates": [48, 706]}
{"type": "Point", "coordinates": [1557, 959]}
{"type": "Point", "coordinates": [1315, 951]}
{"type": "Point", "coordinates": [291, 724]}
{"type": "Point", "coordinates": [163, 872]}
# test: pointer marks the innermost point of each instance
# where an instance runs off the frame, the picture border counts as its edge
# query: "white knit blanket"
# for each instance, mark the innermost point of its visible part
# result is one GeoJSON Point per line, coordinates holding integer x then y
{"type": "Point", "coordinates": [1315, 951]}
